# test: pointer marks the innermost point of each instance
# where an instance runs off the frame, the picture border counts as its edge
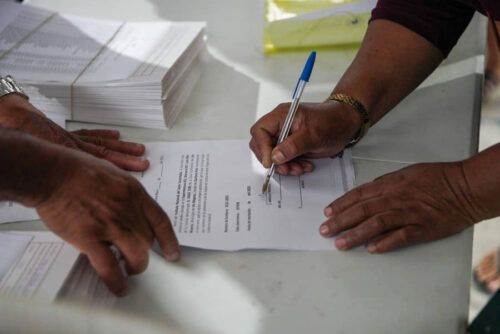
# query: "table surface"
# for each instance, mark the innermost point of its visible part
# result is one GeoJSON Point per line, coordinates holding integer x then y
{"type": "Point", "coordinates": [422, 289]}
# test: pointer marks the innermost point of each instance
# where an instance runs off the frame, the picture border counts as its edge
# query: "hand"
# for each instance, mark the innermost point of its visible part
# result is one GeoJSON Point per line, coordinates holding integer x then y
{"type": "Point", "coordinates": [17, 113]}
{"type": "Point", "coordinates": [318, 130]}
{"type": "Point", "coordinates": [92, 205]}
{"type": "Point", "coordinates": [416, 204]}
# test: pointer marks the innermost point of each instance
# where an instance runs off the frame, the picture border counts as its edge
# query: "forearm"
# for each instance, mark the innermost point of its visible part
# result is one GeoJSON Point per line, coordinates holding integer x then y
{"type": "Point", "coordinates": [27, 167]}
{"type": "Point", "coordinates": [483, 180]}
{"type": "Point", "coordinates": [391, 62]}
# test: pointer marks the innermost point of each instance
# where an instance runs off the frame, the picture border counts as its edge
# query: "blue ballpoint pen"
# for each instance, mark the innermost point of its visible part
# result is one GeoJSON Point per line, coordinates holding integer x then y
{"type": "Point", "coordinates": [299, 88]}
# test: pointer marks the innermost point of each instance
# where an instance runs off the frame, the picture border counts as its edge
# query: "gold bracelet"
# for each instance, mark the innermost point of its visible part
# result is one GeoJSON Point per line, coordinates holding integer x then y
{"type": "Point", "coordinates": [359, 108]}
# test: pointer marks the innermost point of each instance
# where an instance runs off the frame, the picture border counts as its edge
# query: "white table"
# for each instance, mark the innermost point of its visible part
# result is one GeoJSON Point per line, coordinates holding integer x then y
{"type": "Point", "coordinates": [421, 289]}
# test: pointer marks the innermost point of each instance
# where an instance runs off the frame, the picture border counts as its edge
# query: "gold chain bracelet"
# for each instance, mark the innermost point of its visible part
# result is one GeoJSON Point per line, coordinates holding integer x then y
{"type": "Point", "coordinates": [359, 108]}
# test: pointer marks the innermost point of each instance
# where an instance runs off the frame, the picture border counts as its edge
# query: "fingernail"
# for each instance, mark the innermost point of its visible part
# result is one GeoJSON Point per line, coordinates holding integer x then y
{"type": "Point", "coordinates": [174, 256]}
{"type": "Point", "coordinates": [278, 157]}
{"type": "Point", "coordinates": [328, 211]}
{"type": "Point", "coordinates": [372, 248]}
{"type": "Point", "coordinates": [341, 243]}
{"type": "Point", "coordinates": [324, 229]}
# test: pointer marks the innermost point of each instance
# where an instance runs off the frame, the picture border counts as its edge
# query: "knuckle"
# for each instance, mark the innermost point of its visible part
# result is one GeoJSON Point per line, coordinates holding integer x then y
{"type": "Point", "coordinates": [102, 151]}
{"type": "Point", "coordinates": [133, 187]}
{"type": "Point", "coordinates": [355, 194]}
{"type": "Point", "coordinates": [403, 236]}
{"type": "Point", "coordinates": [317, 138]}
{"type": "Point", "coordinates": [160, 225]}
{"type": "Point", "coordinates": [68, 143]}
{"type": "Point", "coordinates": [283, 106]}
{"type": "Point", "coordinates": [365, 211]}
{"type": "Point", "coordinates": [338, 223]}
{"type": "Point", "coordinates": [99, 141]}
{"type": "Point", "coordinates": [107, 271]}
{"type": "Point", "coordinates": [251, 145]}
{"type": "Point", "coordinates": [380, 223]}
{"type": "Point", "coordinates": [141, 261]}
{"type": "Point", "coordinates": [123, 227]}
{"type": "Point", "coordinates": [290, 149]}
{"type": "Point", "coordinates": [253, 129]}
{"type": "Point", "coordinates": [354, 237]}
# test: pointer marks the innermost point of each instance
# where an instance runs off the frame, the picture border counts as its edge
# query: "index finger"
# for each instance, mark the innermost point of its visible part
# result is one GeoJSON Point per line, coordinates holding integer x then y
{"type": "Point", "coordinates": [107, 267]}
{"type": "Point", "coordinates": [353, 197]}
{"type": "Point", "coordinates": [162, 229]}
{"type": "Point", "coordinates": [265, 133]}
{"type": "Point", "coordinates": [262, 145]}
{"type": "Point", "coordinates": [103, 133]}
{"type": "Point", "coordinates": [124, 161]}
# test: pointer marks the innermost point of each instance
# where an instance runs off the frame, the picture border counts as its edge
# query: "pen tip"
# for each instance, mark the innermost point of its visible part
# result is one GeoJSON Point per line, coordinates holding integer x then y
{"type": "Point", "coordinates": [265, 186]}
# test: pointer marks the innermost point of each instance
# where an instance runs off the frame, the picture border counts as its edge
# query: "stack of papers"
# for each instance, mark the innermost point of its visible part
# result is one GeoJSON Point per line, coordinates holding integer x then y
{"type": "Point", "coordinates": [119, 73]}
{"type": "Point", "coordinates": [41, 266]}
{"type": "Point", "coordinates": [11, 246]}
{"type": "Point", "coordinates": [38, 266]}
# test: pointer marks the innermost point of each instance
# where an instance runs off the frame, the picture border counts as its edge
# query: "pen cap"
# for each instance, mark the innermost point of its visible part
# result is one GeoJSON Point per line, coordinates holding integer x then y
{"type": "Point", "coordinates": [306, 73]}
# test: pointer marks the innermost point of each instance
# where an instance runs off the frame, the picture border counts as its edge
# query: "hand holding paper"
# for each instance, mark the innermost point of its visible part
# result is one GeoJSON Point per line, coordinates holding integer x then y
{"type": "Point", "coordinates": [95, 205]}
{"type": "Point", "coordinates": [18, 113]}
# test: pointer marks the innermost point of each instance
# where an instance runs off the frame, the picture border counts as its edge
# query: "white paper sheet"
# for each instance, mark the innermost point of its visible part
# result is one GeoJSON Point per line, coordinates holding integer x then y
{"type": "Point", "coordinates": [26, 20]}
{"type": "Point", "coordinates": [13, 212]}
{"type": "Point", "coordinates": [85, 287]}
{"type": "Point", "coordinates": [12, 246]}
{"type": "Point", "coordinates": [41, 270]}
{"type": "Point", "coordinates": [58, 49]}
{"type": "Point", "coordinates": [8, 12]}
{"type": "Point", "coordinates": [142, 50]}
{"type": "Point", "coordinates": [212, 193]}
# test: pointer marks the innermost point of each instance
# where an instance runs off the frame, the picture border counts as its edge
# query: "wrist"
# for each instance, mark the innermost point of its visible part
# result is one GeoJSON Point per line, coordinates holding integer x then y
{"type": "Point", "coordinates": [14, 110]}
{"type": "Point", "coordinates": [30, 169]}
{"type": "Point", "coordinates": [483, 182]}
{"type": "Point", "coordinates": [456, 177]}
{"type": "Point", "coordinates": [350, 120]}
{"type": "Point", "coordinates": [356, 106]}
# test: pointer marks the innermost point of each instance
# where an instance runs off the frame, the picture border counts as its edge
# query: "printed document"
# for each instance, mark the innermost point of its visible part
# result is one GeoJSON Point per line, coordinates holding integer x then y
{"type": "Point", "coordinates": [85, 287]}
{"type": "Point", "coordinates": [12, 247]}
{"type": "Point", "coordinates": [41, 270]}
{"type": "Point", "coordinates": [39, 265]}
{"type": "Point", "coordinates": [101, 71]}
{"type": "Point", "coordinates": [212, 192]}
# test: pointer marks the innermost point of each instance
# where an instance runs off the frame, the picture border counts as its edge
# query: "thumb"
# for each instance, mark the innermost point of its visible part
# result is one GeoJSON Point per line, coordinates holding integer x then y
{"type": "Point", "coordinates": [297, 144]}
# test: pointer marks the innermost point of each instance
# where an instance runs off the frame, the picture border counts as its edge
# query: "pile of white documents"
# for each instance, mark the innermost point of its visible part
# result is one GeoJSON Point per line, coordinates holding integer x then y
{"type": "Point", "coordinates": [119, 73]}
{"type": "Point", "coordinates": [39, 265]}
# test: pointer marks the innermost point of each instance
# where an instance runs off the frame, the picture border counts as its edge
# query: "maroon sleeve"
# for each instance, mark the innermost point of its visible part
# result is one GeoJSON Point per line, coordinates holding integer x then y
{"type": "Point", "coordinates": [441, 22]}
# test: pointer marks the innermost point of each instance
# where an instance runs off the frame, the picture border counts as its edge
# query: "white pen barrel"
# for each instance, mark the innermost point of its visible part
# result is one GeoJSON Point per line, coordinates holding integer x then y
{"type": "Point", "coordinates": [291, 112]}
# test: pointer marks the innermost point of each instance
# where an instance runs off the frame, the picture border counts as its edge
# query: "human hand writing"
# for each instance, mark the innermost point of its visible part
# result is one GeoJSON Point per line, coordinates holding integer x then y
{"type": "Point", "coordinates": [17, 113]}
{"type": "Point", "coordinates": [92, 204]}
{"type": "Point", "coordinates": [318, 130]}
{"type": "Point", "coordinates": [416, 204]}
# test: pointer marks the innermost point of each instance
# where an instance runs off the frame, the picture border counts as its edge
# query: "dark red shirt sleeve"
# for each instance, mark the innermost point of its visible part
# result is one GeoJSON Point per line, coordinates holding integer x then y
{"type": "Point", "coordinates": [441, 22]}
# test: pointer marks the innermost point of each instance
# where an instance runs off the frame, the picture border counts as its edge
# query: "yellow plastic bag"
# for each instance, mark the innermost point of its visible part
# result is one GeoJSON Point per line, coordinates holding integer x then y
{"type": "Point", "coordinates": [313, 24]}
